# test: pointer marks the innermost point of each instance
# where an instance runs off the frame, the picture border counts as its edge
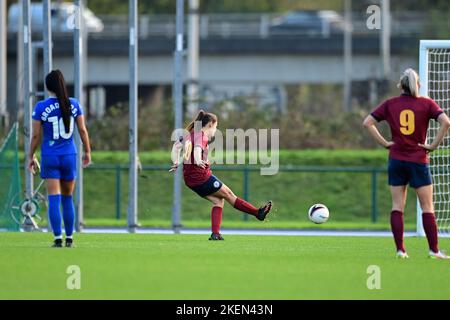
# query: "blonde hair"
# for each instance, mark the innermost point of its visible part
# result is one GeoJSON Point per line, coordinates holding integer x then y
{"type": "Point", "coordinates": [409, 82]}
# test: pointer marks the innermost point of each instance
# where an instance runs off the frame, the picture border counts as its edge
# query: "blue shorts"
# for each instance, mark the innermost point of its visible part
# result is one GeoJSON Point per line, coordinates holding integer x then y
{"type": "Point", "coordinates": [403, 172]}
{"type": "Point", "coordinates": [212, 185]}
{"type": "Point", "coordinates": [62, 167]}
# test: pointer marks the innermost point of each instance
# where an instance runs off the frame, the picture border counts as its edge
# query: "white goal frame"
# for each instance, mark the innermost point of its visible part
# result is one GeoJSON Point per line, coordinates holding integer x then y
{"type": "Point", "coordinates": [425, 45]}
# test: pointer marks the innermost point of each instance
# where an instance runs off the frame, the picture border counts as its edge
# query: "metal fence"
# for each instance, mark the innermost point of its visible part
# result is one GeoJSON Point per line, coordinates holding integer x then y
{"type": "Point", "coordinates": [259, 25]}
{"type": "Point", "coordinates": [246, 171]}
{"type": "Point", "coordinates": [264, 25]}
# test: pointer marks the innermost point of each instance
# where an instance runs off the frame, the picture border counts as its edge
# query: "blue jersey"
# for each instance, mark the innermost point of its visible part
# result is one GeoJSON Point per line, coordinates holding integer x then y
{"type": "Point", "coordinates": [56, 141]}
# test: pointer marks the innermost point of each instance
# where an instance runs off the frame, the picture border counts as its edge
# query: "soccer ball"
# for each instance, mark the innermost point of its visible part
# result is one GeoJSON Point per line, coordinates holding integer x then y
{"type": "Point", "coordinates": [318, 213]}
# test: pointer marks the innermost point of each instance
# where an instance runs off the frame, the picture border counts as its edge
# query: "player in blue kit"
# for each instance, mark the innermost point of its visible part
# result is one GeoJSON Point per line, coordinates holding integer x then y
{"type": "Point", "coordinates": [56, 117]}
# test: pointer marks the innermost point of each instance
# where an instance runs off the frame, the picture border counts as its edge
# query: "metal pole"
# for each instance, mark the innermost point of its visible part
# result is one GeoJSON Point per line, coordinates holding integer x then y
{"type": "Point", "coordinates": [28, 91]}
{"type": "Point", "coordinates": [133, 142]}
{"type": "Point", "coordinates": [374, 196]}
{"type": "Point", "coordinates": [348, 55]}
{"type": "Point", "coordinates": [193, 57]}
{"type": "Point", "coordinates": [47, 36]}
{"type": "Point", "coordinates": [47, 50]}
{"type": "Point", "coordinates": [79, 48]}
{"type": "Point", "coordinates": [386, 38]}
{"type": "Point", "coordinates": [3, 66]}
{"type": "Point", "coordinates": [35, 47]}
{"type": "Point", "coordinates": [178, 109]}
{"type": "Point", "coordinates": [423, 90]}
{"type": "Point", "coordinates": [118, 192]}
{"type": "Point", "coordinates": [20, 72]}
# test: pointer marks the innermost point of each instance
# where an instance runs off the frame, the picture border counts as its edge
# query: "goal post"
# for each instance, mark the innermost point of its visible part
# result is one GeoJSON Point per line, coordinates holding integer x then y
{"type": "Point", "coordinates": [434, 73]}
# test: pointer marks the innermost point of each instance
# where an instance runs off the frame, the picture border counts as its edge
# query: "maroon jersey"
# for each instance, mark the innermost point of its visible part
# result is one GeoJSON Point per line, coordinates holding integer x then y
{"type": "Point", "coordinates": [193, 174]}
{"type": "Point", "coordinates": [408, 118]}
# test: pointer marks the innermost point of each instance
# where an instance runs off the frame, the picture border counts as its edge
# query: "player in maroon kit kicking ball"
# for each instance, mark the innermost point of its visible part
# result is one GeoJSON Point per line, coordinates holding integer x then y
{"type": "Point", "coordinates": [408, 117]}
{"type": "Point", "coordinates": [198, 176]}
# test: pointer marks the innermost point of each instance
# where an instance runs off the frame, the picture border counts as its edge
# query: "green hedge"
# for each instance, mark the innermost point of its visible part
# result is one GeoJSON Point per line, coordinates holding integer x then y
{"type": "Point", "coordinates": [348, 195]}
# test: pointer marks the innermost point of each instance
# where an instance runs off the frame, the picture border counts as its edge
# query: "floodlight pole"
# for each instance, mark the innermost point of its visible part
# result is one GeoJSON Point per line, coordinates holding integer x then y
{"type": "Point", "coordinates": [47, 37]}
{"type": "Point", "coordinates": [20, 65]}
{"type": "Point", "coordinates": [3, 66]}
{"type": "Point", "coordinates": [28, 92]}
{"type": "Point", "coordinates": [386, 38]}
{"type": "Point", "coordinates": [133, 132]}
{"type": "Point", "coordinates": [193, 57]}
{"type": "Point", "coordinates": [47, 47]}
{"type": "Point", "coordinates": [348, 55]}
{"type": "Point", "coordinates": [80, 57]}
{"type": "Point", "coordinates": [178, 109]}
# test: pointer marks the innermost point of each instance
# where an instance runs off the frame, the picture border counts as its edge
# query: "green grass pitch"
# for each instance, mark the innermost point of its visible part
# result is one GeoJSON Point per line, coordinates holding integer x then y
{"type": "Point", "coordinates": [142, 266]}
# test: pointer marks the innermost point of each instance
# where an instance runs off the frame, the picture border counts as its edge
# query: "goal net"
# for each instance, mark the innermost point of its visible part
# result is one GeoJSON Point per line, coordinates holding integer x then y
{"type": "Point", "coordinates": [435, 81]}
{"type": "Point", "coordinates": [9, 180]}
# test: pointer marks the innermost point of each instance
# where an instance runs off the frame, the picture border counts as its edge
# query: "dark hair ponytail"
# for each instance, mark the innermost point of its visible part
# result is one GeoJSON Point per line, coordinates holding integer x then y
{"type": "Point", "coordinates": [55, 82]}
{"type": "Point", "coordinates": [204, 118]}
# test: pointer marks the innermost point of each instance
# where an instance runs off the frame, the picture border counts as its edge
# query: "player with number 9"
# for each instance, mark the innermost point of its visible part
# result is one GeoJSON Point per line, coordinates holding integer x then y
{"type": "Point", "coordinates": [408, 117]}
{"type": "Point", "coordinates": [56, 117]}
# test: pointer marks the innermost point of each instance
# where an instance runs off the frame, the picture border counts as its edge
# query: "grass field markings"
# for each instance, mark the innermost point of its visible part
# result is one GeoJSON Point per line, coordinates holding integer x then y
{"type": "Point", "coordinates": [364, 252]}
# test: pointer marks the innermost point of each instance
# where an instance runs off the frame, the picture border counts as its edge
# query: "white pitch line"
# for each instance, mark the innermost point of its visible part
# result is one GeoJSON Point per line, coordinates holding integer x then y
{"type": "Point", "coordinates": [254, 232]}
